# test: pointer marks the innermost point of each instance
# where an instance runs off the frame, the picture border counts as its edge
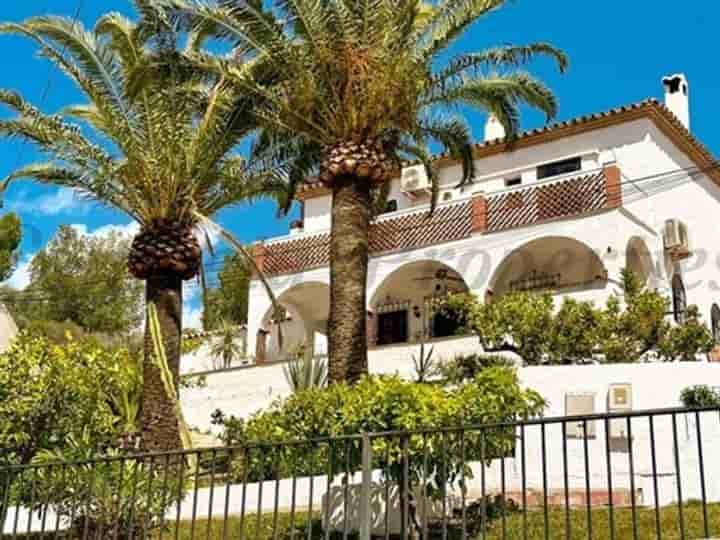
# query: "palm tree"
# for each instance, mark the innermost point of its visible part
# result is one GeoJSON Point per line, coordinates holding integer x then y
{"type": "Point", "coordinates": [362, 86]}
{"type": "Point", "coordinates": [225, 343]}
{"type": "Point", "coordinates": [156, 144]}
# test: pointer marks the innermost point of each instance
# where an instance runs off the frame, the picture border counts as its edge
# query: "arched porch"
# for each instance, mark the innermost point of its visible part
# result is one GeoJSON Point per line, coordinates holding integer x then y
{"type": "Point", "coordinates": [557, 264]}
{"type": "Point", "coordinates": [303, 324]}
{"type": "Point", "coordinates": [403, 308]}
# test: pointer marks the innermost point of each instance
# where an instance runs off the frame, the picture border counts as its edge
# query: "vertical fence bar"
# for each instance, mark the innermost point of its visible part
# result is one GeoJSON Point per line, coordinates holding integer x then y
{"type": "Point", "coordinates": [277, 451]}
{"type": "Point", "coordinates": [16, 517]}
{"type": "Point", "coordinates": [211, 494]}
{"type": "Point", "coordinates": [588, 491]}
{"type": "Point", "coordinates": [608, 465]}
{"type": "Point", "coordinates": [701, 465]}
{"type": "Point", "coordinates": [566, 480]}
{"type": "Point", "coordinates": [405, 489]}
{"type": "Point", "coordinates": [523, 482]}
{"type": "Point", "coordinates": [133, 497]}
{"type": "Point", "coordinates": [546, 515]}
{"type": "Point", "coordinates": [33, 486]}
{"type": "Point", "coordinates": [653, 459]}
{"type": "Point", "coordinates": [57, 510]}
{"type": "Point", "coordinates": [260, 482]}
{"type": "Point", "coordinates": [366, 487]}
{"type": "Point", "coordinates": [503, 492]}
{"type": "Point", "coordinates": [311, 491]}
{"type": "Point", "coordinates": [483, 487]}
{"type": "Point", "coordinates": [330, 457]}
{"type": "Point", "coordinates": [293, 499]}
{"type": "Point", "coordinates": [180, 494]}
{"type": "Point", "coordinates": [44, 507]}
{"type": "Point", "coordinates": [150, 494]}
{"type": "Point", "coordinates": [388, 476]}
{"type": "Point", "coordinates": [676, 453]}
{"type": "Point", "coordinates": [426, 463]}
{"type": "Point", "coordinates": [196, 486]}
{"type": "Point", "coordinates": [631, 464]}
{"type": "Point", "coordinates": [463, 486]}
{"type": "Point", "coordinates": [346, 488]}
{"type": "Point", "coordinates": [444, 477]}
{"type": "Point", "coordinates": [243, 503]}
{"type": "Point", "coordinates": [228, 486]}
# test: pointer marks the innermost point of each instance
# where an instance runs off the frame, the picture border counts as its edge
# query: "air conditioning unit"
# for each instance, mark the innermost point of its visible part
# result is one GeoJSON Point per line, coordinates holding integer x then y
{"type": "Point", "coordinates": [675, 239]}
{"type": "Point", "coordinates": [414, 180]}
{"type": "Point", "coordinates": [619, 401]}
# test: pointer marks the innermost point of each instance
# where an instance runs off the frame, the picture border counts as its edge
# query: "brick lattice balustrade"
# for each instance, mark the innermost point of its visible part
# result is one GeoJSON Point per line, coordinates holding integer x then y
{"type": "Point", "coordinates": [451, 222]}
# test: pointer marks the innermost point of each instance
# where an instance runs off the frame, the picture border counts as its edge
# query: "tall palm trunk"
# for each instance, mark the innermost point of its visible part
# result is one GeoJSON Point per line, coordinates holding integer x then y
{"type": "Point", "coordinates": [347, 335]}
{"type": "Point", "coordinates": [159, 420]}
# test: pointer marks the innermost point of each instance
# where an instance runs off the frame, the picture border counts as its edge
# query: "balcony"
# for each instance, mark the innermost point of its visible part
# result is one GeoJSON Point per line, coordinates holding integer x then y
{"type": "Point", "coordinates": [481, 214]}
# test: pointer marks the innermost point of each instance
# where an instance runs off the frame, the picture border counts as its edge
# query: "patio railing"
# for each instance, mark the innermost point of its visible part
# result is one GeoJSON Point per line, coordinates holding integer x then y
{"type": "Point", "coordinates": [641, 474]}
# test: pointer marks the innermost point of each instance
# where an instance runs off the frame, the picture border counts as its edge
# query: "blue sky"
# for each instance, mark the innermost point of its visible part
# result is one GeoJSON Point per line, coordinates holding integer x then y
{"type": "Point", "coordinates": [618, 49]}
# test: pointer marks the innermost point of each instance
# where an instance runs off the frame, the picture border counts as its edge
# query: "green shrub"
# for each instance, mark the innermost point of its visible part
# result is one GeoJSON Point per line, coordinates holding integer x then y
{"type": "Point", "coordinates": [378, 404]}
{"type": "Point", "coordinates": [700, 395]}
{"type": "Point", "coordinates": [116, 498]}
{"type": "Point", "coordinates": [466, 366]}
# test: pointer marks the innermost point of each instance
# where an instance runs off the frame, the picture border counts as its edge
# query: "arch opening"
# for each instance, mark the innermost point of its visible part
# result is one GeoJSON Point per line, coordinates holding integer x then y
{"type": "Point", "coordinates": [555, 264]}
{"type": "Point", "coordinates": [405, 307]}
{"type": "Point", "coordinates": [303, 324]}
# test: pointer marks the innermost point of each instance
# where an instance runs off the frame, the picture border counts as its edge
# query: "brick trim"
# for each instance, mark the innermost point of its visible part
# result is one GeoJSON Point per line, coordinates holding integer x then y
{"type": "Point", "coordinates": [479, 213]}
{"type": "Point", "coordinates": [259, 254]}
{"type": "Point", "coordinates": [613, 186]}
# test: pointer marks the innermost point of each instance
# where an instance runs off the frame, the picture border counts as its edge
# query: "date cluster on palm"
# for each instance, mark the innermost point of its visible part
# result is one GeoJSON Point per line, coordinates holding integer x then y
{"type": "Point", "coordinates": [165, 249]}
{"type": "Point", "coordinates": [366, 160]}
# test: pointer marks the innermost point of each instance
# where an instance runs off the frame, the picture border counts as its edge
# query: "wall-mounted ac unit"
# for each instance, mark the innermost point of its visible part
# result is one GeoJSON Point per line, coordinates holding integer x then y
{"type": "Point", "coordinates": [414, 181]}
{"type": "Point", "coordinates": [619, 401]}
{"type": "Point", "coordinates": [676, 240]}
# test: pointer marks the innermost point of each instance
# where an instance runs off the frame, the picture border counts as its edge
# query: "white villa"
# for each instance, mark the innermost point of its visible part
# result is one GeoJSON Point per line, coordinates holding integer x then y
{"type": "Point", "coordinates": [563, 208]}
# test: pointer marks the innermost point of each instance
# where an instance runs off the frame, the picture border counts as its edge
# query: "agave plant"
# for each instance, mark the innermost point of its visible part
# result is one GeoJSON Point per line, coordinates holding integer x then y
{"type": "Point", "coordinates": [159, 145]}
{"type": "Point", "coordinates": [303, 372]}
{"type": "Point", "coordinates": [225, 344]}
{"type": "Point", "coordinates": [359, 88]}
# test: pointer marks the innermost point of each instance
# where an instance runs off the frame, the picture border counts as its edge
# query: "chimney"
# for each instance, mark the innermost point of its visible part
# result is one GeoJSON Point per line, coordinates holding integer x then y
{"type": "Point", "coordinates": [493, 129]}
{"type": "Point", "coordinates": [676, 97]}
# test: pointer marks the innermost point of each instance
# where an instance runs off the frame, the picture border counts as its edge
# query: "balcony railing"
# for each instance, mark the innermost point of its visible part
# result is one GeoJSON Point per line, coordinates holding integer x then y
{"type": "Point", "coordinates": [563, 198]}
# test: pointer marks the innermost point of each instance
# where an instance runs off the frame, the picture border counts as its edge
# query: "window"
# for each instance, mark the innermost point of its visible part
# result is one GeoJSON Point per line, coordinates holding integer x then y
{"type": "Point", "coordinates": [447, 196]}
{"type": "Point", "coordinates": [511, 182]}
{"type": "Point", "coordinates": [679, 299]}
{"type": "Point", "coordinates": [391, 206]}
{"type": "Point", "coordinates": [715, 323]}
{"type": "Point", "coordinates": [559, 167]}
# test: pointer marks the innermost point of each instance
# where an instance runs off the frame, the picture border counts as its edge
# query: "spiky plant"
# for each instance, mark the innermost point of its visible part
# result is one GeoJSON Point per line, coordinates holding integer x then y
{"type": "Point", "coordinates": [359, 87]}
{"type": "Point", "coordinates": [156, 144]}
{"type": "Point", "coordinates": [226, 343]}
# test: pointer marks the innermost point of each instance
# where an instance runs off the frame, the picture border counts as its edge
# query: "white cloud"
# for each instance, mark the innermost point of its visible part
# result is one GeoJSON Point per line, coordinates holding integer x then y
{"type": "Point", "coordinates": [21, 276]}
{"type": "Point", "coordinates": [63, 201]}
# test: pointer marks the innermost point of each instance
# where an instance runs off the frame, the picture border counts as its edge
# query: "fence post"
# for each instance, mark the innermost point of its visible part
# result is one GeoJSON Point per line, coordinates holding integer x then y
{"type": "Point", "coordinates": [366, 487]}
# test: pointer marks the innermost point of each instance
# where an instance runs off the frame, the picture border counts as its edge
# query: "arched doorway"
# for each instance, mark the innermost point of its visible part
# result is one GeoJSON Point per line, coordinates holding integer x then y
{"type": "Point", "coordinates": [638, 259]}
{"type": "Point", "coordinates": [679, 299]}
{"type": "Point", "coordinates": [302, 323]}
{"type": "Point", "coordinates": [557, 264]}
{"type": "Point", "coordinates": [405, 307]}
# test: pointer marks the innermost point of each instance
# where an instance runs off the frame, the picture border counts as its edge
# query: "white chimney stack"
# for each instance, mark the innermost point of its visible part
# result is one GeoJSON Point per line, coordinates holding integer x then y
{"type": "Point", "coordinates": [493, 129]}
{"type": "Point", "coordinates": [676, 97]}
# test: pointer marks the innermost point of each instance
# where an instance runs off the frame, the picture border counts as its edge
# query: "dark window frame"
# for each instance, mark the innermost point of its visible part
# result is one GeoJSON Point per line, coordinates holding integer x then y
{"type": "Point", "coordinates": [557, 168]}
{"type": "Point", "coordinates": [679, 297]}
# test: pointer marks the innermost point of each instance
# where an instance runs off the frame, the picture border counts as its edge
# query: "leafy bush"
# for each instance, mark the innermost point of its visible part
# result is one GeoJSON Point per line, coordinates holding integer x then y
{"type": "Point", "coordinates": [467, 366]}
{"type": "Point", "coordinates": [684, 342]}
{"type": "Point", "coordinates": [51, 392]}
{"type": "Point", "coordinates": [700, 395]}
{"type": "Point", "coordinates": [378, 404]}
{"type": "Point", "coordinates": [118, 497]}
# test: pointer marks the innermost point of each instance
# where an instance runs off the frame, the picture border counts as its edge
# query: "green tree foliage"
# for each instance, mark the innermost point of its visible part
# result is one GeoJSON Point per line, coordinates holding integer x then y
{"type": "Point", "coordinates": [229, 300]}
{"type": "Point", "coordinates": [684, 342]}
{"type": "Point", "coordinates": [632, 323]}
{"type": "Point", "coordinates": [700, 395]}
{"type": "Point", "coordinates": [628, 326]}
{"type": "Point", "coordinates": [10, 237]}
{"type": "Point", "coordinates": [51, 392]}
{"type": "Point", "coordinates": [84, 280]}
{"type": "Point", "coordinates": [518, 322]}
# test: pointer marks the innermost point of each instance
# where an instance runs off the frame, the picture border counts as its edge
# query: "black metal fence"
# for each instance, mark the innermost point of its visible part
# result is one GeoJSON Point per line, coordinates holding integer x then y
{"type": "Point", "coordinates": [644, 474]}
